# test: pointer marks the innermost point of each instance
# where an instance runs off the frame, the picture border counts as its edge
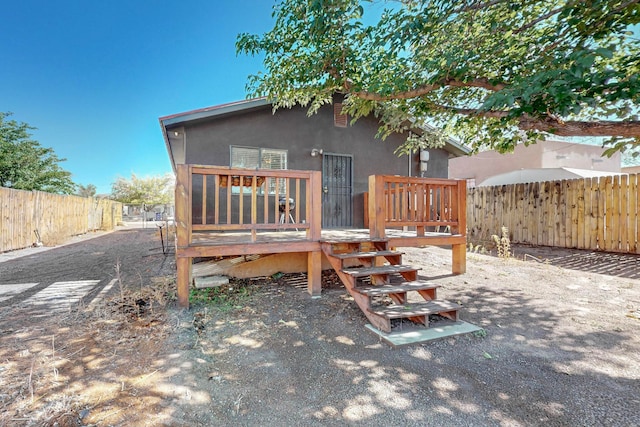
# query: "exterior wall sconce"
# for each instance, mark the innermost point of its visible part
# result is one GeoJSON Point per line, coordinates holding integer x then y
{"type": "Point", "coordinates": [316, 152]}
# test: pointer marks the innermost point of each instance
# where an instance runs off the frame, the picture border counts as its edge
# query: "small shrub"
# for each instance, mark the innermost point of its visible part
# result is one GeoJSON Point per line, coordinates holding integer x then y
{"type": "Point", "coordinates": [503, 244]}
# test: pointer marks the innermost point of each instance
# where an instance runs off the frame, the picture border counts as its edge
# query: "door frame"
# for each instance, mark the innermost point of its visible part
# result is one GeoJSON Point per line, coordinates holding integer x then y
{"type": "Point", "coordinates": [350, 198]}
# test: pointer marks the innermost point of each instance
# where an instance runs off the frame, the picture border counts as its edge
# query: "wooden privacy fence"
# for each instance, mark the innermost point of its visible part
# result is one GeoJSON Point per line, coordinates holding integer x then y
{"type": "Point", "coordinates": [593, 213]}
{"type": "Point", "coordinates": [25, 215]}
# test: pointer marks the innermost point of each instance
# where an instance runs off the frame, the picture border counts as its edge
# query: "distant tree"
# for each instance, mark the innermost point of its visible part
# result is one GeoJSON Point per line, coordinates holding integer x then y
{"type": "Point", "coordinates": [88, 191]}
{"type": "Point", "coordinates": [26, 165]}
{"type": "Point", "coordinates": [153, 190]}
{"type": "Point", "coordinates": [491, 72]}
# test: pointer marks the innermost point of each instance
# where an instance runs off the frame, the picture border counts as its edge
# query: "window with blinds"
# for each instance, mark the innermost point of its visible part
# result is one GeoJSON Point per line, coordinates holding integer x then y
{"type": "Point", "coordinates": [263, 158]}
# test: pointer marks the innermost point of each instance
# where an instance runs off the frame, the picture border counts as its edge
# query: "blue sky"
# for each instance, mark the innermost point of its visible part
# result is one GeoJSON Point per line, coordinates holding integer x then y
{"type": "Point", "coordinates": [94, 76]}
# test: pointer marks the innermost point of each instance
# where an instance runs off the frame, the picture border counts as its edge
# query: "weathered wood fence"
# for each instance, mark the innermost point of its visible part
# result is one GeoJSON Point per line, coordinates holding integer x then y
{"type": "Point", "coordinates": [25, 215]}
{"type": "Point", "coordinates": [594, 213]}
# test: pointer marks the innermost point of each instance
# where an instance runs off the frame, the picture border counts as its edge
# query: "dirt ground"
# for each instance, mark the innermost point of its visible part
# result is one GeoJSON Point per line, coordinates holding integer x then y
{"type": "Point", "coordinates": [561, 346]}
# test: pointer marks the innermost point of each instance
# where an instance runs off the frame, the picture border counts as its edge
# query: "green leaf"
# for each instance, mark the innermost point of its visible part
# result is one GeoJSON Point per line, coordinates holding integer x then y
{"type": "Point", "coordinates": [476, 72]}
{"type": "Point", "coordinates": [604, 52]}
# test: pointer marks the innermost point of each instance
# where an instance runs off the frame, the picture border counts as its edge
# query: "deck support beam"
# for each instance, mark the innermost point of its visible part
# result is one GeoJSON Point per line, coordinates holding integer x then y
{"type": "Point", "coordinates": [314, 273]}
{"type": "Point", "coordinates": [183, 279]}
{"type": "Point", "coordinates": [459, 259]}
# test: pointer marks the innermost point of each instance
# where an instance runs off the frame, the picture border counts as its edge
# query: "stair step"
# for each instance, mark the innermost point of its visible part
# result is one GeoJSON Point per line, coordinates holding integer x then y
{"type": "Point", "coordinates": [346, 238]}
{"type": "Point", "coordinates": [415, 309]}
{"type": "Point", "coordinates": [371, 254]}
{"type": "Point", "coordinates": [401, 286]}
{"type": "Point", "coordinates": [384, 269]}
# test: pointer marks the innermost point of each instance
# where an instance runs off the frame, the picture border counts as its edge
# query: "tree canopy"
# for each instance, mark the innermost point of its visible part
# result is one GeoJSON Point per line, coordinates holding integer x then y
{"type": "Point", "coordinates": [490, 72]}
{"type": "Point", "coordinates": [86, 191]}
{"type": "Point", "coordinates": [152, 190]}
{"type": "Point", "coordinates": [26, 165]}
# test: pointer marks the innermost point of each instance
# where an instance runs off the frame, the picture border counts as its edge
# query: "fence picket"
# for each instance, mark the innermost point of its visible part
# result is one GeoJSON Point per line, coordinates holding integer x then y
{"type": "Point", "coordinates": [634, 214]}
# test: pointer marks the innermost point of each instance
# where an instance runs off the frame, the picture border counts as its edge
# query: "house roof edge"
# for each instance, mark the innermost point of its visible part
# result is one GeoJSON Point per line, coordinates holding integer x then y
{"type": "Point", "coordinates": [216, 110]}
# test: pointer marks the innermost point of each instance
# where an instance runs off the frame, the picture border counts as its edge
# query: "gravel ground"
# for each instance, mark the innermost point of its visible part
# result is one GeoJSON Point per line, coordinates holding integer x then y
{"type": "Point", "coordinates": [560, 348]}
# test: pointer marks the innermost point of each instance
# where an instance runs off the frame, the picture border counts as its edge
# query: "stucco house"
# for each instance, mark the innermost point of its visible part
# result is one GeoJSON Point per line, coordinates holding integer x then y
{"type": "Point", "coordinates": [303, 194]}
{"type": "Point", "coordinates": [558, 159]}
{"type": "Point", "coordinates": [249, 134]}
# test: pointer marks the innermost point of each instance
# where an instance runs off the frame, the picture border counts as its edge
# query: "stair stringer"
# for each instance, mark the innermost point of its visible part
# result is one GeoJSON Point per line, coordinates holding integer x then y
{"type": "Point", "coordinates": [364, 302]}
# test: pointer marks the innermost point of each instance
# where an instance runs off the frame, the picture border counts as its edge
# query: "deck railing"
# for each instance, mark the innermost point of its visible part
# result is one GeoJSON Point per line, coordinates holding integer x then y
{"type": "Point", "coordinates": [397, 201]}
{"type": "Point", "coordinates": [223, 199]}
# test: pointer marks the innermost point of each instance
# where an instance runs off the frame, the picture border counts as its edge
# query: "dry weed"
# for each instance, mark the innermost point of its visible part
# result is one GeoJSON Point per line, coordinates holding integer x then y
{"type": "Point", "coordinates": [45, 369]}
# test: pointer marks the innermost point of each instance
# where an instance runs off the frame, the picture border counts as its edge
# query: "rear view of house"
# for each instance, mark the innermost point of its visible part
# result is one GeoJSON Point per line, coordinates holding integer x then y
{"type": "Point", "coordinates": [284, 185]}
{"type": "Point", "coordinates": [248, 134]}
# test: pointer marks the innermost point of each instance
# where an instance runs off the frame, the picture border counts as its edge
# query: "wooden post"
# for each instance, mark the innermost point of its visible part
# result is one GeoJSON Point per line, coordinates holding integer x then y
{"type": "Point", "coordinates": [459, 251]}
{"type": "Point", "coordinates": [314, 206]}
{"type": "Point", "coordinates": [314, 273]}
{"type": "Point", "coordinates": [183, 278]}
{"type": "Point", "coordinates": [183, 232]}
{"type": "Point", "coordinates": [376, 206]}
{"type": "Point", "coordinates": [458, 259]}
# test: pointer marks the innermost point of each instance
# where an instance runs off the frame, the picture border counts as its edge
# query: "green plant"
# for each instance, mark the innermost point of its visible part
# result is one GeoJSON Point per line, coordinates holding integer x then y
{"type": "Point", "coordinates": [223, 298]}
{"type": "Point", "coordinates": [481, 333]}
{"type": "Point", "coordinates": [503, 244]}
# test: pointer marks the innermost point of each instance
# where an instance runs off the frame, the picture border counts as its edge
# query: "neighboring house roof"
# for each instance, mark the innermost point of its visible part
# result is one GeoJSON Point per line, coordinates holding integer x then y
{"type": "Point", "coordinates": [454, 147]}
{"type": "Point", "coordinates": [540, 175]}
{"type": "Point", "coordinates": [631, 169]}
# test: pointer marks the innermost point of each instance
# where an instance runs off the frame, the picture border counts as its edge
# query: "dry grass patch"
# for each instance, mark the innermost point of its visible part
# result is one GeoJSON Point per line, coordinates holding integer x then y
{"type": "Point", "coordinates": [85, 366]}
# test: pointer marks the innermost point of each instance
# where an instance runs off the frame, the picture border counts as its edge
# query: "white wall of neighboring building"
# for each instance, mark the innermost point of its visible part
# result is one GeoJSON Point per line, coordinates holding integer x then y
{"type": "Point", "coordinates": [544, 154]}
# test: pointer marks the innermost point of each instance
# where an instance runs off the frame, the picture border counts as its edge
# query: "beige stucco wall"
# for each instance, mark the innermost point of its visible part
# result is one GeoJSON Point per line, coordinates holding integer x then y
{"type": "Point", "coordinates": [544, 154]}
{"type": "Point", "coordinates": [631, 169]}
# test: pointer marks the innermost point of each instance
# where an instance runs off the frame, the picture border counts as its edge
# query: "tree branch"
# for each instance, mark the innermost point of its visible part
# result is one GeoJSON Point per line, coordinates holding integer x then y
{"type": "Point", "coordinates": [540, 18]}
{"type": "Point", "coordinates": [472, 111]}
{"type": "Point", "coordinates": [477, 6]}
{"type": "Point", "coordinates": [423, 90]}
{"type": "Point", "coordinates": [553, 125]}
{"type": "Point", "coordinates": [628, 129]}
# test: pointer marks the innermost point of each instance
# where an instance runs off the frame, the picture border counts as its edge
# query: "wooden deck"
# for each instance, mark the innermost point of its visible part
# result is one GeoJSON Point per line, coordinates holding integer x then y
{"type": "Point", "coordinates": [214, 219]}
{"type": "Point", "coordinates": [336, 235]}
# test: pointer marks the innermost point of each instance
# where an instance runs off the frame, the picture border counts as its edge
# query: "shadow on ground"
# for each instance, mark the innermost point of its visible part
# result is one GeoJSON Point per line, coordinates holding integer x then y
{"type": "Point", "coordinates": [611, 264]}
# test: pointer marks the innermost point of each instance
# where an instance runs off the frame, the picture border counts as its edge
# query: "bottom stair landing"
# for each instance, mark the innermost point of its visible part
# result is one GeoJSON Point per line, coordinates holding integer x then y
{"type": "Point", "coordinates": [380, 287]}
{"type": "Point", "coordinates": [416, 334]}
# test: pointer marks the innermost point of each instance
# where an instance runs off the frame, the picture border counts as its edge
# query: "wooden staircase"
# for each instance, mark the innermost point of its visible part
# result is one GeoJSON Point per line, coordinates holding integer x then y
{"type": "Point", "coordinates": [380, 273]}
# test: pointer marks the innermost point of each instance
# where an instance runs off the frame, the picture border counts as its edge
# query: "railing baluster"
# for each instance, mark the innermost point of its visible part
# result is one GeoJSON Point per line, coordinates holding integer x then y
{"type": "Point", "coordinates": [229, 186]}
{"type": "Point", "coordinates": [276, 200]}
{"type": "Point", "coordinates": [204, 199]}
{"type": "Point", "coordinates": [254, 207]}
{"type": "Point", "coordinates": [398, 198]}
{"type": "Point", "coordinates": [298, 204]}
{"type": "Point", "coordinates": [265, 197]}
{"type": "Point", "coordinates": [241, 202]}
{"type": "Point", "coordinates": [216, 207]}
